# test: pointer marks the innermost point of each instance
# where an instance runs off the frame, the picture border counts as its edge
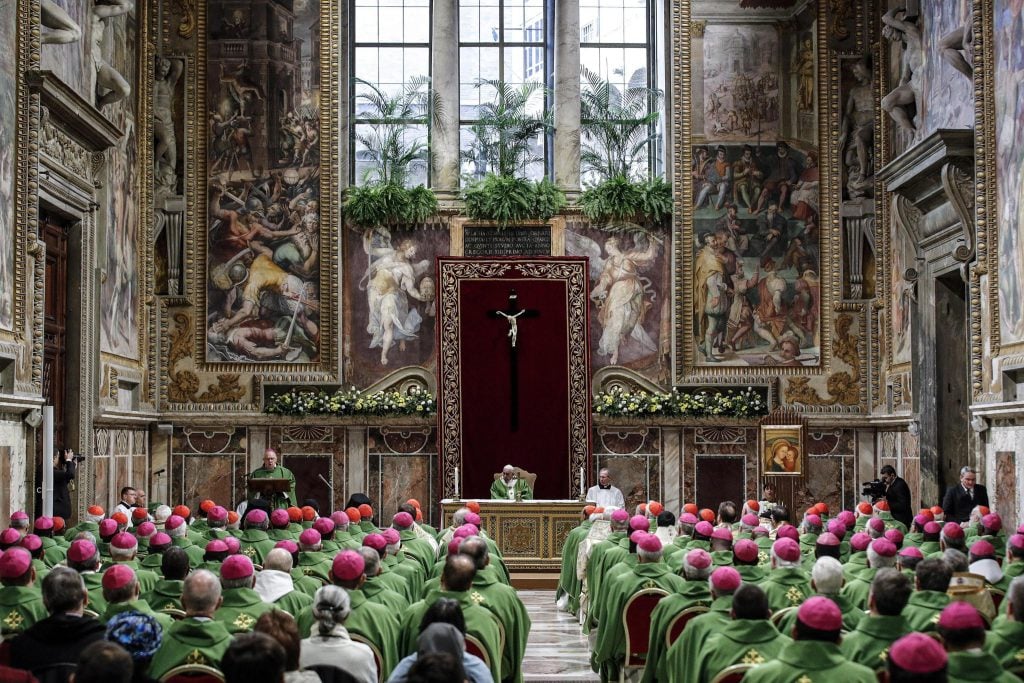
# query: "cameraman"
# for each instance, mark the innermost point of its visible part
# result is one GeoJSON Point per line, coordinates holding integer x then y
{"type": "Point", "coordinates": [897, 495]}
{"type": "Point", "coordinates": [63, 473]}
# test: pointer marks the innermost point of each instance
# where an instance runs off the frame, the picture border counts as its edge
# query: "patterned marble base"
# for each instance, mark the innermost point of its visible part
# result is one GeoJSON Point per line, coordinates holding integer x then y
{"type": "Point", "coordinates": [556, 649]}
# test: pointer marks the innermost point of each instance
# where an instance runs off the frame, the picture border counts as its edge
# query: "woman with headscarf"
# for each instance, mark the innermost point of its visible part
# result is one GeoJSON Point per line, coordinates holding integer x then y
{"type": "Point", "coordinates": [443, 629]}
{"type": "Point", "coordinates": [330, 644]}
{"type": "Point", "coordinates": [140, 634]}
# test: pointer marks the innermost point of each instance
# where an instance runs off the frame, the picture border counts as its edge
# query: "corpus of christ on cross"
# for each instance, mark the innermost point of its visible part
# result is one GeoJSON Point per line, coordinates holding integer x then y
{"type": "Point", "coordinates": [512, 314]}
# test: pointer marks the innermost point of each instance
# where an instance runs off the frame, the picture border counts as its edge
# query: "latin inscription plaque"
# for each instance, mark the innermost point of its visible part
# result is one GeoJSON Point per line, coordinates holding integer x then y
{"type": "Point", "coordinates": [512, 241]}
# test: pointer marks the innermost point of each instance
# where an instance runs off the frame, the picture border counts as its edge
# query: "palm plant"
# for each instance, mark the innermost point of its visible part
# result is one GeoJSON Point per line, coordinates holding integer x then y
{"type": "Point", "coordinates": [385, 125]}
{"type": "Point", "coordinates": [505, 128]}
{"type": "Point", "coordinates": [617, 126]}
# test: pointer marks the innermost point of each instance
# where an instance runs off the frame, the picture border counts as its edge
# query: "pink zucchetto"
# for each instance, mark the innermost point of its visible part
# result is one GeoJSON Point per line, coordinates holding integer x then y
{"type": "Point", "coordinates": [118, 576]}
{"type": "Point", "coordinates": [918, 654]}
{"type": "Point", "coordinates": [159, 541]}
{"type": "Point", "coordinates": [218, 513]}
{"type": "Point", "coordinates": [649, 543]}
{"type": "Point", "coordinates": [234, 545]}
{"type": "Point", "coordinates": [820, 613]}
{"type": "Point", "coordinates": [687, 518]}
{"type": "Point", "coordinates": [959, 615]}
{"type": "Point", "coordinates": [750, 520]}
{"type": "Point", "coordinates": [470, 518]}
{"type": "Point", "coordinates": [279, 518]}
{"type": "Point", "coordinates": [291, 546]}
{"type": "Point", "coordinates": [912, 551]}
{"type": "Point", "coordinates": [309, 538]}
{"type": "Point", "coordinates": [124, 541]}
{"type": "Point", "coordinates": [698, 559]}
{"type": "Point", "coordinates": [390, 535]}
{"type": "Point", "coordinates": [639, 523]}
{"type": "Point", "coordinates": [173, 522]}
{"type": "Point", "coordinates": [81, 550]}
{"type": "Point", "coordinates": [722, 534]}
{"type": "Point", "coordinates": [786, 549]}
{"type": "Point", "coordinates": [108, 527]}
{"type": "Point", "coordinates": [725, 579]}
{"type": "Point", "coordinates": [952, 530]}
{"type": "Point", "coordinates": [145, 530]}
{"type": "Point", "coordinates": [788, 531]}
{"type": "Point", "coordinates": [453, 545]}
{"type": "Point", "coordinates": [324, 525]}
{"type": "Point", "coordinates": [403, 520]}
{"type": "Point", "coordinates": [883, 547]}
{"type": "Point", "coordinates": [745, 550]}
{"type": "Point", "coordinates": [236, 567]}
{"type": "Point", "coordinates": [860, 541]}
{"type": "Point", "coordinates": [348, 565]}
{"type": "Point", "coordinates": [703, 529]}
{"type": "Point", "coordinates": [216, 546]}
{"type": "Point", "coordinates": [620, 515]}
{"type": "Point", "coordinates": [375, 541]}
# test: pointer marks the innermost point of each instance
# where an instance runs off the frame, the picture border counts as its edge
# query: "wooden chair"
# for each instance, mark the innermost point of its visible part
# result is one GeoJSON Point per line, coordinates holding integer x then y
{"type": "Point", "coordinates": [193, 673]}
{"type": "Point", "coordinates": [173, 613]}
{"type": "Point", "coordinates": [732, 674]}
{"type": "Point", "coordinates": [679, 622]}
{"type": "Point", "coordinates": [636, 623]}
{"type": "Point", "coordinates": [90, 613]}
{"type": "Point", "coordinates": [475, 647]}
{"type": "Point", "coordinates": [997, 597]}
{"type": "Point", "coordinates": [529, 477]}
{"type": "Point", "coordinates": [378, 660]}
{"type": "Point", "coordinates": [777, 617]}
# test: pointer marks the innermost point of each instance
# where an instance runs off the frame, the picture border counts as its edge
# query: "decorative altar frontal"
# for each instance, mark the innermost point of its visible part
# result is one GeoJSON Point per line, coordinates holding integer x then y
{"type": "Point", "coordinates": [530, 534]}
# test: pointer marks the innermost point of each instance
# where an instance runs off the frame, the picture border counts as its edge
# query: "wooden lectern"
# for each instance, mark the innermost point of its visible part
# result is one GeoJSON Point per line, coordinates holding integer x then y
{"type": "Point", "coordinates": [268, 488]}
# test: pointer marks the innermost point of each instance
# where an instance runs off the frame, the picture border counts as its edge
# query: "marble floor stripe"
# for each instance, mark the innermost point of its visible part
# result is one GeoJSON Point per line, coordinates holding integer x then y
{"type": "Point", "coordinates": [556, 649]}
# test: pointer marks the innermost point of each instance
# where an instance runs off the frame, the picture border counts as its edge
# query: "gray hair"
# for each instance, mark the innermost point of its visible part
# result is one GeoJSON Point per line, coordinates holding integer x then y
{"type": "Point", "coordinates": [1015, 595]}
{"type": "Point", "coordinates": [161, 513]}
{"type": "Point", "coordinates": [63, 590]}
{"type": "Point", "coordinates": [241, 582]}
{"type": "Point", "coordinates": [331, 607]}
{"type": "Point", "coordinates": [459, 518]}
{"type": "Point", "coordinates": [827, 575]}
{"type": "Point", "coordinates": [779, 562]}
{"type": "Point", "coordinates": [123, 554]}
{"type": "Point", "coordinates": [649, 555]}
{"type": "Point", "coordinates": [200, 592]}
{"type": "Point", "coordinates": [877, 561]}
{"type": "Point", "coordinates": [956, 560]}
{"type": "Point", "coordinates": [371, 561]}
{"type": "Point", "coordinates": [123, 594]}
{"type": "Point", "coordinates": [278, 559]}
{"type": "Point", "coordinates": [967, 469]}
{"type": "Point", "coordinates": [692, 573]}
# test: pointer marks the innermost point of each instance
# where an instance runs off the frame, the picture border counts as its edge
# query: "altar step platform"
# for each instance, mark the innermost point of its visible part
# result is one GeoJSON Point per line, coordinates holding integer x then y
{"type": "Point", "coordinates": [556, 650]}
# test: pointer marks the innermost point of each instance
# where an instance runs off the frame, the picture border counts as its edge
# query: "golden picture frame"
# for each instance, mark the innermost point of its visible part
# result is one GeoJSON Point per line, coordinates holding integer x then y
{"type": "Point", "coordinates": [782, 450]}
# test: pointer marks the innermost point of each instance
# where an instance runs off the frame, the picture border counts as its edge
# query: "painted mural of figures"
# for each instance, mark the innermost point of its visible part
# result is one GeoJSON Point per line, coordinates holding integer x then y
{"type": "Point", "coordinates": [699, 170]}
{"type": "Point", "coordinates": [8, 123]}
{"type": "Point", "coordinates": [785, 173]}
{"type": "Point", "coordinates": [268, 286]}
{"type": "Point", "coordinates": [736, 239]}
{"type": "Point", "coordinates": [770, 316]}
{"type": "Point", "coordinates": [621, 295]}
{"type": "Point", "coordinates": [391, 278]}
{"type": "Point", "coordinates": [111, 86]}
{"type": "Point", "coordinates": [957, 46]}
{"type": "Point", "coordinates": [747, 176]}
{"type": "Point", "coordinates": [803, 67]}
{"type": "Point", "coordinates": [856, 143]}
{"type": "Point", "coordinates": [741, 313]}
{"type": "Point", "coordinates": [903, 103]}
{"type": "Point", "coordinates": [717, 180]}
{"type": "Point", "coordinates": [239, 86]}
{"type": "Point", "coordinates": [805, 310]}
{"type": "Point", "coordinates": [711, 296]}
{"type": "Point", "coordinates": [807, 191]}
{"type": "Point", "coordinates": [61, 28]}
{"type": "Point", "coordinates": [772, 231]}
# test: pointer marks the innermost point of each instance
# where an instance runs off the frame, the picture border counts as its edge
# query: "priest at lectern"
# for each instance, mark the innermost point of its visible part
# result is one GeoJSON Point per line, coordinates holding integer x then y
{"type": "Point", "coordinates": [271, 470]}
{"type": "Point", "coordinates": [509, 486]}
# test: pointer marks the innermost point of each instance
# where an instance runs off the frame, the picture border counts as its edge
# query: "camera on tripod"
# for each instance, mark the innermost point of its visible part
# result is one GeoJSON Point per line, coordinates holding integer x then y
{"type": "Point", "coordinates": [874, 489]}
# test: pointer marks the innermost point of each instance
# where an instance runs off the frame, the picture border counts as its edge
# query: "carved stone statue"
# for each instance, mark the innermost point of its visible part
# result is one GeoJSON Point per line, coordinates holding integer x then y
{"type": "Point", "coordinates": [907, 93]}
{"type": "Point", "coordinates": [62, 28]}
{"type": "Point", "coordinates": [165, 152]}
{"type": "Point", "coordinates": [957, 46]}
{"type": "Point", "coordinates": [856, 143]}
{"type": "Point", "coordinates": [111, 86]}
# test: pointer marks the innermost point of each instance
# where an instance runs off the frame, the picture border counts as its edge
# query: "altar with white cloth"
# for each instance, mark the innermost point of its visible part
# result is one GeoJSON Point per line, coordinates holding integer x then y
{"type": "Point", "coordinates": [530, 533]}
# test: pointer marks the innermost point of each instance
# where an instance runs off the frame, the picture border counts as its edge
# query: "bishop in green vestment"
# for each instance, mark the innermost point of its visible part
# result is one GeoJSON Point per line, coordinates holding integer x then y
{"type": "Point", "coordinates": [21, 603]}
{"type": "Point", "coordinates": [271, 470]}
{"type": "Point", "coordinates": [198, 638]}
{"type": "Point", "coordinates": [963, 633]}
{"type": "Point", "coordinates": [869, 642]}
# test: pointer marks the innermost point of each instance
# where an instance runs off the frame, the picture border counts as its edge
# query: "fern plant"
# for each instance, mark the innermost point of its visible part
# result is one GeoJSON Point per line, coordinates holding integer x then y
{"type": "Point", "coordinates": [368, 206]}
{"type": "Point", "coordinates": [508, 199]}
{"type": "Point", "coordinates": [617, 126]}
{"type": "Point", "coordinates": [506, 127]}
{"type": "Point", "coordinates": [619, 200]}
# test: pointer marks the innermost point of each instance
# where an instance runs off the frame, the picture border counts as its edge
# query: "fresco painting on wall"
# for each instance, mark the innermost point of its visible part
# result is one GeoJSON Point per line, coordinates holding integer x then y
{"type": "Point", "coordinates": [68, 58]}
{"type": "Point", "coordinates": [741, 82]}
{"type": "Point", "coordinates": [263, 175]}
{"type": "Point", "coordinates": [630, 312]}
{"type": "Point", "coordinates": [119, 308]}
{"type": "Point", "coordinates": [389, 289]}
{"type": "Point", "coordinates": [756, 289]}
{"type": "Point", "coordinates": [8, 136]}
{"type": "Point", "coordinates": [1009, 100]}
{"type": "Point", "coordinates": [901, 295]}
{"type": "Point", "coordinates": [948, 95]}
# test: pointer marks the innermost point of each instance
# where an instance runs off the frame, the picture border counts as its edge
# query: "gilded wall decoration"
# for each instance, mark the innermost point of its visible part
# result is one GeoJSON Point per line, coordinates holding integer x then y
{"type": "Point", "coordinates": [389, 297]}
{"type": "Point", "coordinates": [120, 297]}
{"type": "Point", "coordinates": [8, 145]}
{"type": "Point", "coordinates": [630, 310]}
{"type": "Point", "coordinates": [1008, 43]}
{"type": "Point", "coordinates": [183, 384]}
{"type": "Point", "coordinates": [263, 173]}
{"type": "Point", "coordinates": [843, 388]}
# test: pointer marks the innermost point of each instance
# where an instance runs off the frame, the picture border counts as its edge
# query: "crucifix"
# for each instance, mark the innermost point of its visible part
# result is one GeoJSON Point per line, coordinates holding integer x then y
{"type": "Point", "coordinates": [512, 314]}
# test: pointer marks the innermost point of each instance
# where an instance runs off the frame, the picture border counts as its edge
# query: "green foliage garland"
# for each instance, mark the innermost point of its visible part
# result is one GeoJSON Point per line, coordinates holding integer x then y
{"type": "Point", "coordinates": [728, 403]}
{"type": "Point", "coordinates": [619, 199]}
{"type": "Point", "coordinates": [507, 200]}
{"type": "Point", "coordinates": [367, 206]}
{"type": "Point", "coordinates": [351, 401]}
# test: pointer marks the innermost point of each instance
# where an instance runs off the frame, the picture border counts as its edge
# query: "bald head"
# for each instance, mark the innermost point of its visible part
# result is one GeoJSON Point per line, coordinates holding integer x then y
{"type": "Point", "coordinates": [200, 595]}
{"type": "Point", "coordinates": [458, 573]}
{"type": "Point", "coordinates": [278, 559]}
{"type": "Point", "coordinates": [475, 548]}
{"type": "Point", "coordinates": [371, 558]}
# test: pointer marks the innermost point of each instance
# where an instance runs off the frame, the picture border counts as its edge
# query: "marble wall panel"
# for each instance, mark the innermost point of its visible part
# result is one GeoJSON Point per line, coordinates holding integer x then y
{"type": "Point", "coordinates": [912, 475]}
{"type": "Point", "coordinates": [311, 452]}
{"type": "Point", "coordinates": [720, 478]}
{"type": "Point", "coordinates": [99, 468]}
{"type": "Point", "coordinates": [8, 136]}
{"type": "Point", "coordinates": [719, 441]}
{"type": "Point", "coordinates": [639, 476]}
{"type": "Point", "coordinates": [70, 61]}
{"type": "Point", "coordinates": [403, 477]}
{"type": "Point", "coordinates": [1006, 487]}
{"type": "Point", "coordinates": [209, 476]}
{"type": "Point", "coordinates": [122, 476]}
{"type": "Point", "coordinates": [401, 465]}
{"type": "Point", "coordinates": [13, 466]}
{"type": "Point", "coordinates": [947, 96]}
{"type": "Point", "coordinates": [208, 463]}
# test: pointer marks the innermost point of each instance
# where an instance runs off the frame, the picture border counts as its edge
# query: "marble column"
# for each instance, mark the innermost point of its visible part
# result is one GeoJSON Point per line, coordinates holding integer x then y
{"type": "Point", "coordinates": [567, 97]}
{"type": "Point", "coordinates": [444, 57]}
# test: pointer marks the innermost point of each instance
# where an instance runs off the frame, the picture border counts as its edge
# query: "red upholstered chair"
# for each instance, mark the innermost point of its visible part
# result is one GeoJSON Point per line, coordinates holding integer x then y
{"type": "Point", "coordinates": [636, 622]}
{"type": "Point", "coordinates": [193, 673]}
{"type": "Point", "coordinates": [676, 626]}
{"type": "Point", "coordinates": [997, 597]}
{"type": "Point", "coordinates": [732, 674]}
{"type": "Point", "coordinates": [378, 660]}
{"type": "Point", "coordinates": [5, 651]}
{"type": "Point", "coordinates": [475, 647]}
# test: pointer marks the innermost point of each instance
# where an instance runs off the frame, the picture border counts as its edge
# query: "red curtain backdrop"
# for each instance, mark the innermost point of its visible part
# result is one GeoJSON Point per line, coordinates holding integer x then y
{"type": "Point", "coordinates": [542, 442]}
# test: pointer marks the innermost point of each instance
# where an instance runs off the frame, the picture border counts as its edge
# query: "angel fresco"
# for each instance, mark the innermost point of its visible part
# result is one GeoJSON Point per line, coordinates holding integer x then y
{"type": "Point", "coordinates": [391, 278]}
{"type": "Point", "coordinates": [622, 295]}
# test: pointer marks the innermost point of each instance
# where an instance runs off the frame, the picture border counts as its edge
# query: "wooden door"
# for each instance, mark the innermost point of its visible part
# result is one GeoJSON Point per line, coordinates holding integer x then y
{"type": "Point", "coordinates": [55, 307]}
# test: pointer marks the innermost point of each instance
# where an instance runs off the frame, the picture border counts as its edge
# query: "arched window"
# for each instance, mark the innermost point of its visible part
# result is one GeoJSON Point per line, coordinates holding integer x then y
{"type": "Point", "coordinates": [390, 54]}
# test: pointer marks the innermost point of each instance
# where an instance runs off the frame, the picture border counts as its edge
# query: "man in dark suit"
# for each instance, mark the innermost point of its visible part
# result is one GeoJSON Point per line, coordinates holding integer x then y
{"type": "Point", "coordinates": [964, 497]}
{"type": "Point", "coordinates": [897, 494]}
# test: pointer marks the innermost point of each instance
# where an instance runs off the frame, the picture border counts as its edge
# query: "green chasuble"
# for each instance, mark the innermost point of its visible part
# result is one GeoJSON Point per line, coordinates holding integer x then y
{"type": "Point", "coordinates": [858, 562]}
{"type": "Point", "coordinates": [305, 584]}
{"type": "Point", "coordinates": [742, 641]}
{"type": "Point", "coordinates": [480, 623]}
{"type": "Point", "coordinates": [255, 545]}
{"type": "Point", "coordinates": [858, 590]}
{"type": "Point", "coordinates": [372, 621]}
{"type": "Point", "coordinates": [923, 609]}
{"type": "Point", "coordinates": [851, 615]}
{"type": "Point", "coordinates": [293, 603]}
{"type": "Point", "coordinates": [315, 564]}
{"type": "Point", "coordinates": [504, 603]}
{"type": "Point", "coordinates": [396, 582]}
{"type": "Point", "coordinates": [190, 641]}
{"type": "Point", "coordinates": [20, 607]}
{"type": "Point", "coordinates": [382, 595]}
{"type": "Point", "coordinates": [1006, 642]}
{"type": "Point", "coordinates": [278, 500]}
{"type": "Point", "coordinates": [786, 587]}
{"type": "Point", "coordinates": [92, 527]}
{"type": "Point", "coordinates": [418, 549]}
{"type": "Point", "coordinates": [519, 488]}
{"type": "Point", "coordinates": [869, 643]}
{"type": "Point", "coordinates": [751, 573]}
{"type": "Point", "coordinates": [568, 582]}
{"type": "Point", "coordinates": [240, 609]}
{"type": "Point", "coordinates": [662, 616]}
{"type": "Point", "coordinates": [147, 579]}
{"type": "Point", "coordinates": [165, 595]}
{"type": "Point", "coordinates": [53, 552]}
{"type": "Point", "coordinates": [684, 650]}
{"type": "Point", "coordinates": [610, 651]}
{"type": "Point", "coordinates": [154, 563]}
{"type": "Point", "coordinates": [595, 573]}
{"type": "Point", "coordinates": [809, 661]}
{"type": "Point", "coordinates": [409, 569]}
{"type": "Point", "coordinates": [977, 666]}
{"type": "Point", "coordinates": [140, 605]}
{"type": "Point", "coordinates": [195, 553]}
{"type": "Point", "coordinates": [94, 586]}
